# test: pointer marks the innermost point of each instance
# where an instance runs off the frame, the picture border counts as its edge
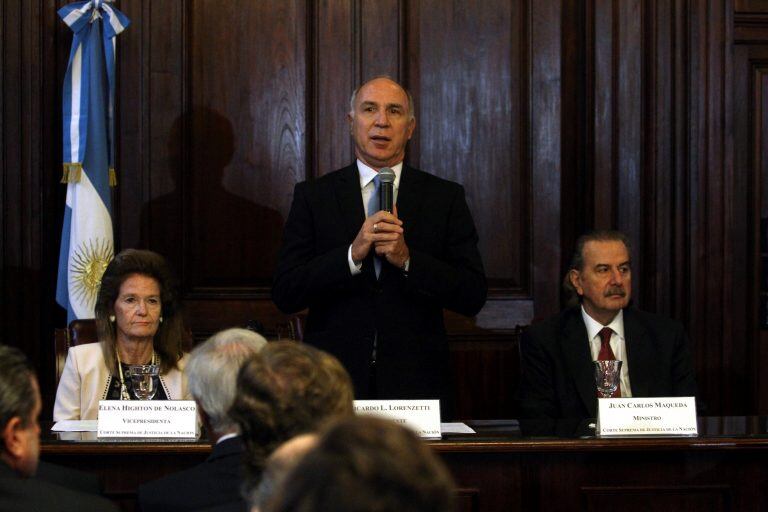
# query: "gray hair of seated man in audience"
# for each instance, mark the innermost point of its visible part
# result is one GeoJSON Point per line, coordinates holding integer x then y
{"type": "Point", "coordinates": [212, 373]}
{"type": "Point", "coordinates": [17, 394]}
{"type": "Point", "coordinates": [366, 463]}
{"type": "Point", "coordinates": [18, 399]}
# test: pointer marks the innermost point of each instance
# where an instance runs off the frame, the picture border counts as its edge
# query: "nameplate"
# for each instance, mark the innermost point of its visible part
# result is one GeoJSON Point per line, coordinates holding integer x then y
{"type": "Point", "coordinates": [421, 416]}
{"type": "Point", "coordinates": [629, 417]}
{"type": "Point", "coordinates": [150, 419]}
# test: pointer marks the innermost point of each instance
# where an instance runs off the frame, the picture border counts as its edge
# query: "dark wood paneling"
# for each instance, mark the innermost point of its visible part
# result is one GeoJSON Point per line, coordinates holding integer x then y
{"type": "Point", "coordinates": [335, 72]}
{"type": "Point", "coordinates": [497, 470]}
{"type": "Point", "coordinates": [247, 138]}
{"type": "Point", "coordinates": [29, 169]}
{"type": "Point", "coordinates": [557, 116]}
{"type": "Point", "coordinates": [751, 6]}
{"type": "Point", "coordinates": [658, 498]}
{"type": "Point", "coordinates": [469, 120]}
{"type": "Point", "coordinates": [544, 65]}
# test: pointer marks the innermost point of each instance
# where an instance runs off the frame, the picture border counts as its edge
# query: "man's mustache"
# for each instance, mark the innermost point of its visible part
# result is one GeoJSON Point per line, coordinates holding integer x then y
{"type": "Point", "coordinates": [616, 290]}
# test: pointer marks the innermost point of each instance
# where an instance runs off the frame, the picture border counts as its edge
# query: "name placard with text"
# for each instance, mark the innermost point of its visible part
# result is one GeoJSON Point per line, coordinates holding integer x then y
{"type": "Point", "coordinates": [421, 416]}
{"type": "Point", "coordinates": [630, 417]}
{"type": "Point", "coordinates": [150, 419]}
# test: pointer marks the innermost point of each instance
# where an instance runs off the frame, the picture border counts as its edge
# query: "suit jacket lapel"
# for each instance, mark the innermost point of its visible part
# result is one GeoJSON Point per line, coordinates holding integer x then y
{"type": "Point", "coordinates": [579, 359]}
{"type": "Point", "coordinates": [639, 356]}
{"type": "Point", "coordinates": [409, 197]}
{"type": "Point", "coordinates": [409, 203]}
{"type": "Point", "coordinates": [350, 200]}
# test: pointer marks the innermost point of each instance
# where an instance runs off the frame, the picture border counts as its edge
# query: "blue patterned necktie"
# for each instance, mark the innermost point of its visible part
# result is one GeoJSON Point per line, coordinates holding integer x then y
{"type": "Point", "coordinates": [373, 207]}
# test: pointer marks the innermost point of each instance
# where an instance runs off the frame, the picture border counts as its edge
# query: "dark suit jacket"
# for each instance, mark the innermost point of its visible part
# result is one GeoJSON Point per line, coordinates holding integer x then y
{"type": "Point", "coordinates": [214, 482]}
{"type": "Point", "coordinates": [68, 478]}
{"type": "Point", "coordinates": [35, 495]}
{"type": "Point", "coordinates": [557, 380]}
{"type": "Point", "coordinates": [404, 312]}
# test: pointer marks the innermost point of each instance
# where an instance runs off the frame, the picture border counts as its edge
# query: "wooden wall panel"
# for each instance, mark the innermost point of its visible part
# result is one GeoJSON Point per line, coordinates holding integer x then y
{"type": "Point", "coordinates": [335, 71]}
{"type": "Point", "coordinates": [380, 27]}
{"type": "Point", "coordinates": [760, 151]}
{"type": "Point", "coordinates": [545, 143]}
{"type": "Point", "coordinates": [557, 116]}
{"type": "Point", "coordinates": [468, 120]}
{"type": "Point", "coordinates": [617, 54]}
{"type": "Point", "coordinates": [29, 169]}
{"type": "Point", "coordinates": [751, 6]}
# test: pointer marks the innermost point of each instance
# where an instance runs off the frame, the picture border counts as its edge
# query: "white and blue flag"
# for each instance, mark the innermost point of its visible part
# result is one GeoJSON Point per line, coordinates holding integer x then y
{"type": "Point", "coordinates": [88, 115]}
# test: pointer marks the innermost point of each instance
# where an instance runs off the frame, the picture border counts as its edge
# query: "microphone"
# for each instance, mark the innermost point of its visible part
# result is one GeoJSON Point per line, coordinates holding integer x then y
{"type": "Point", "coordinates": [387, 189]}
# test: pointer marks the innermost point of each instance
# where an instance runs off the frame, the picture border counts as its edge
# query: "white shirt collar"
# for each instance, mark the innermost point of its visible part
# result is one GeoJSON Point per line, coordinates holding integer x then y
{"type": "Point", "coordinates": [227, 436]}
{"type": "Point", "coordinates": [594, 327]}
{"type": "Point", "coordinates": [367, 173]}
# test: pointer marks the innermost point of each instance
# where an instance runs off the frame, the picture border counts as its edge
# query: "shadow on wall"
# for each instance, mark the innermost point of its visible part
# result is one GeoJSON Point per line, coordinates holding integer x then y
{"type": "Point", "coordinates": [210, 235]}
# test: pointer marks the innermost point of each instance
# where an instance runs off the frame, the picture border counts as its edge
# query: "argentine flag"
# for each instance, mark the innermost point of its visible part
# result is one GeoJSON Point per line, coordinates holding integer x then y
{"type": "Point", "coordinates": [88, 116]}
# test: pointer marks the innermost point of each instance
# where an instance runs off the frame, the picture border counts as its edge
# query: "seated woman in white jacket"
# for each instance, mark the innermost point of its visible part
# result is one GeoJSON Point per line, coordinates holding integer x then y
{"type": "Point", "coordinates": [139, 322]}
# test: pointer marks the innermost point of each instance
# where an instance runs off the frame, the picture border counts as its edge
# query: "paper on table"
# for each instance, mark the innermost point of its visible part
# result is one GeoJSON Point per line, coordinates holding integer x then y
{"type": "Point", "coordinates": [75, 426]}
{"type": "Point", "coordinates": [455, 428]}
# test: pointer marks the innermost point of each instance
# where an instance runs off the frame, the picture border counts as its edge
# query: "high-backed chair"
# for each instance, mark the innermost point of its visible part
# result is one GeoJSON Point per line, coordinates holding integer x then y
{"type": "Point", "coordinates": [79, 332]}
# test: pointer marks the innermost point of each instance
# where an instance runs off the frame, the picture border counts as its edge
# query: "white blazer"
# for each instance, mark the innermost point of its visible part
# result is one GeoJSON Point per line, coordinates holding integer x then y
{"type": "Point", "coordinates": [85, 380]}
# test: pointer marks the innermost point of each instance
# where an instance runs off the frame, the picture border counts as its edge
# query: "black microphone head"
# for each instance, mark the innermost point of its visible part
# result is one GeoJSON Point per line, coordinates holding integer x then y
{"type": "Point", "coordinates": [387, 191]}
{"type": "Point", "coordinates": [386, 175]}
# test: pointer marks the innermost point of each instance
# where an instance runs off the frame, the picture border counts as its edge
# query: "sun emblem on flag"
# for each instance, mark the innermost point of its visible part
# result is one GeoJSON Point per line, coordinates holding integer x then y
{"type": "Point", "coordinates": [89, 262]}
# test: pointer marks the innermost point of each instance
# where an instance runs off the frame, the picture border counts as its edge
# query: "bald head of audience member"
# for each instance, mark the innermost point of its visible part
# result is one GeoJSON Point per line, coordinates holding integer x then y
{"type": "Point", "coordinates": [212, 375]}
{"type": "Point", "coordinates": [366, 464]}
{"type": "Point", "coordinates": [288, 389]}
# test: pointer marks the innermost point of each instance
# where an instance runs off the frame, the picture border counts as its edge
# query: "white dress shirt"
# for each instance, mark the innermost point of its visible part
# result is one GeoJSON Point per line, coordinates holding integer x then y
{"type": "Point", "coordinates": [618, 344]}
{"type": "Point", "coordinates": [366, 189]}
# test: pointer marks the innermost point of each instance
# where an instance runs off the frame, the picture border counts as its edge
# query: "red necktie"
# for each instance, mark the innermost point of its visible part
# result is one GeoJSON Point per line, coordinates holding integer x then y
{"type": "Point", "coordinates": [606, 354]}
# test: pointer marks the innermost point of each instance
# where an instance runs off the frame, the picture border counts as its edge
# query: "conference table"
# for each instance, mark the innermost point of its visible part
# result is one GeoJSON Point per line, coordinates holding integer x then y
{"type": "Point", "coordinates": [724, 468]}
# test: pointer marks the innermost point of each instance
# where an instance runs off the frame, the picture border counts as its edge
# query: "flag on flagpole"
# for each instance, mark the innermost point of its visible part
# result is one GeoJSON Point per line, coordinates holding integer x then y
{"type": "Point", "coordinates": [88, 116]}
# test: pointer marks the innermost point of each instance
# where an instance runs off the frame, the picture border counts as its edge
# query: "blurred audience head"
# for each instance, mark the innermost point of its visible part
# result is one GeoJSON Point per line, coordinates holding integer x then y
{"type": "Point", "coordinates": [366, 464]}
{"type": "Point", "coordinates": [19, 411]}
{"type": "Point", "coordinates": [278, 465]}
{"type": "Point", "coordinates": [212, 375]}
{"type": "Point", "coordinates": [287, 389]}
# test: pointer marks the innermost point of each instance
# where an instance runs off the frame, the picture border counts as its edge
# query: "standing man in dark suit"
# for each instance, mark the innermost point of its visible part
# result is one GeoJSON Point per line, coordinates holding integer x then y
{"type": "Point", "coordinates": [376, 282]}
{"type": "Point", "coordinates": [212, 372]}
{"type": "Point", "coordinates": [557, 354]}
{"type": "Point", "coordinates": [20, 490]}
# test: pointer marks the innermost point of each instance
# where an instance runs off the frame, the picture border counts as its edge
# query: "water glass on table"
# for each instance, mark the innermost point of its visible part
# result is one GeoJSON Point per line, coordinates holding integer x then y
{"type": "Point", "coordinates": [143, 380]}
{"type": "Point", "coordinates": [607, 377]}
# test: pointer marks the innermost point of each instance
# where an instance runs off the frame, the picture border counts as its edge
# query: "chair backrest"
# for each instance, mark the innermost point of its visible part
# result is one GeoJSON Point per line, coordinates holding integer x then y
{"type": "Point", "coordinates": [82, 332]}
{"type": "Point", "coordinates": [79, 332]}
{"type": "Point", "coordinates": [275, 329]}
{"type": "Point", "coordinates": [292, 329]}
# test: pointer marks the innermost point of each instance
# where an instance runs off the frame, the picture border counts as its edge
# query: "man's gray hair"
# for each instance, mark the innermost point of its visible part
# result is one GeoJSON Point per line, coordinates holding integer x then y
{"type": "Point", "coordinates": [598, 235]}
{"type": "Point", "coordinates": [212, 373]}
{"type": "Point", "coordinates": [353, 97]}
{"type": "Point", "coordinates": [17, 394]}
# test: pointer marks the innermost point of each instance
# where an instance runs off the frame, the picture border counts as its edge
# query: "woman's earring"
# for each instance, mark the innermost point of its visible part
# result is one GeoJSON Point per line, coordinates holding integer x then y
{"type": "Point", "coordinates": [161, 319]}
{"type": "Point", "coordinates": [112, 318]}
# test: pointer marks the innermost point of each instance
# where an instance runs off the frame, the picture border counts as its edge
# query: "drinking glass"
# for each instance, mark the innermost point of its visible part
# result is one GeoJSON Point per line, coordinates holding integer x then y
{"type": "Point", "coordinates": [143, 380]}
{"type": "Point", "coordinates": [607, 375]}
